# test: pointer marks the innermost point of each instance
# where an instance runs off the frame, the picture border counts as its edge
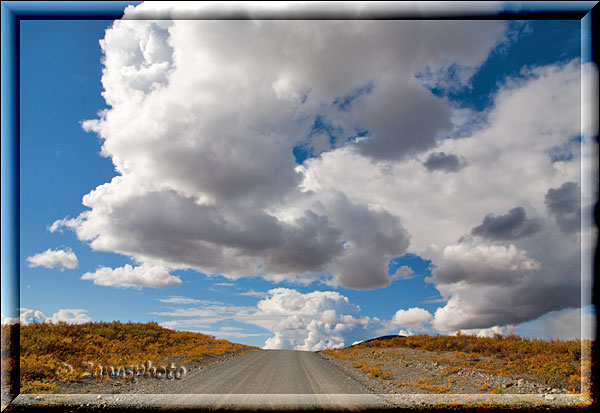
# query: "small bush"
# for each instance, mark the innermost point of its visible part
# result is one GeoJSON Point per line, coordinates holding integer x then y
{"type": "Point", "coordinates": [375, 372]}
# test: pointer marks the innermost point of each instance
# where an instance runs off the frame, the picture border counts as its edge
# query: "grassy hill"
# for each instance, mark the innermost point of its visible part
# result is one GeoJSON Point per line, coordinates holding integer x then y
{"type": "Point", "coordinates": [558, 363]}
{"type": "Point", "coordinates": [49, 351]}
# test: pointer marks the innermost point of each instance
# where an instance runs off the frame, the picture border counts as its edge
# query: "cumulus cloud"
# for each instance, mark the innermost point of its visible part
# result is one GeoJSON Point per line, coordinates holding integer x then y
{"type": "Point", "coordinates": [439, 161]}
{"type": "Point", "coordinates": [216, 124]}
{"type": "Point", "coordinates": [53, 259]}
{"type": "Point", "coordinates": [412, 319]}
{"type": "Point", "coordinates": [483, 264]}
{"type": "Point", "coordinates": [208, 179]}
{"type": "Point", "coordinates": [513, 225]}
{"type": "Point", "coordinates": [294, 320]}
{"type": "Point", "coordinates": [519, 277]}
{"type": "Point", "coordinates": [311, 321]}
{"type": "Point", "coordinates": [204, 10]}
{"type": "Point", "coordinates": [69, 315]}
{"type": "Point", "coordinates": [489, 332]}
{"type": "Point", "coordinates": [145, 275]}
{"type": "Point", "coordinates": [568, 324]}
{"type": "Point", "coordinates": [29, 316]}
{"type": "Point", "coordinates": [564, 205]}
{"type": "Point", "coordinates": [494, 285]}
{"type": "Point", "coordinates": [372, 238]}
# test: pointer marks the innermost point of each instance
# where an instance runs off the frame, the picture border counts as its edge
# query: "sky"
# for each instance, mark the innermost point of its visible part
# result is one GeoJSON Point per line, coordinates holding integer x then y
{"type": "Point", "coordinates": [304, 184]}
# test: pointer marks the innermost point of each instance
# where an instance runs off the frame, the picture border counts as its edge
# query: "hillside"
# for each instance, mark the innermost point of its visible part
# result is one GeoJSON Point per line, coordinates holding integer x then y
{"type": "Point", "coordinates": [53, 355]}
{"type": "Point", "coordinates": [466, 364]}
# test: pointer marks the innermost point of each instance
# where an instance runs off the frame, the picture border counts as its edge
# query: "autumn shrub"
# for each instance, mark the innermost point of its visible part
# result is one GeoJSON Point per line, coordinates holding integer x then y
{"type": "Point", "coordinates": [447, 371]}
{"type": "Point", "coordinates": [387, 375]}
{"type": "Point", "coordinates": [63, 352]}
{"type": "Point", "coordinates": [375, 372]}
{"type": "Point", "coordinates": [433, 385]}
{"type": "Point", "coordinates": [556, 362]}
{"type": "Point", "coordinates": [484, 387]}
{"type": "Point", "coordinates": [359, 364]}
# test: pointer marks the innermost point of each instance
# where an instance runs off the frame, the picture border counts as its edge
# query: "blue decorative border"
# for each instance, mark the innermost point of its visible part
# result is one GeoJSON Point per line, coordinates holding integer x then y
{"type": "Point", "coordinates": [12, 12]}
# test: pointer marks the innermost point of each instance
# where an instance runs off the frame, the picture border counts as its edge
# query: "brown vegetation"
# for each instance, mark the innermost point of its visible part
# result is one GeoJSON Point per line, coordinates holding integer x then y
{"type": "Point", "coordinates": [48, 351]}
{"type": "Point", "coordinates": [558, 363]}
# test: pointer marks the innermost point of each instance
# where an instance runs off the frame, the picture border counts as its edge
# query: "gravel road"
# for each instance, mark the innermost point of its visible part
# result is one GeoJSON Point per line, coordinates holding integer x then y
{"type": "Point", "coordinates": [264, 372]}
{"type": "Point", "coordinates": [275, 380]}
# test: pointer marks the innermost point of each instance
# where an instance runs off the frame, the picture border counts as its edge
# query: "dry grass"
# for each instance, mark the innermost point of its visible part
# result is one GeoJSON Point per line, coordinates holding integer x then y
{"type": "Point", "coordinates": [433, 384]}
{"type": "Point", "coordinates": [558, 363]}
{"type": "Point", "coordinates": [45, 347]}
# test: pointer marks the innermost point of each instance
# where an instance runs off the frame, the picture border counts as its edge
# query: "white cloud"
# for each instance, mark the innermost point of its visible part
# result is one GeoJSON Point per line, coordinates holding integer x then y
{"type": "Point", "coordinates": [203, 10]}
{"type": "Point", "coordinates": [29, 316]}
{"type": "Point", "coordinates": [145, 275]}
{"type": "Point", "coordinates": [489, 332]}
{"type": "Point", "coordinates": [209, 312]}
{"type": "Point", "coordinates": [231, 332]}
{"type": "Point", "coordinates": [404, 272]}
{"type": "Point", "coordinates": [311, 321]}
{"type": "Point", "coordinates": [71, 316]}
{"type": "Point", "coordinates": [215, 125]}
{"type": "Point", "coordinates": [224, 284]}
{"type": "Point", "coordinates": [568, 324]}
{"type": "Point", "coordinates": [53, 259]}
{"type": "Point", "coordinates": [327, 319]}
{"type": "Point", "coordinates": [65, 222]}
{"type": "Point", "coordinates": [185, 300]}
{"type": "Point", "coordinates": [208, 179]}
{"type": "Point", "coordinates": [68, 315]}
{"type": "Point", "coordinates": [186, 325]}
{"type": "Point", "coordinates": [413, 318]}
{"type": "Point", "coordinates": [252, 293]}
{"type": "Point", "coordinates": [485, 281]}
{"type": "Point", "coordinates": [482, 264]}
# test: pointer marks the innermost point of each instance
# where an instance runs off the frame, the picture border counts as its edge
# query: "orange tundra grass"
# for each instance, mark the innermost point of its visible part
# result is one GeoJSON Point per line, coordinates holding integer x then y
{"type": "Point", "coordinates": [45, 346]}
{"type": "Point", "coordinates": [557, 362]}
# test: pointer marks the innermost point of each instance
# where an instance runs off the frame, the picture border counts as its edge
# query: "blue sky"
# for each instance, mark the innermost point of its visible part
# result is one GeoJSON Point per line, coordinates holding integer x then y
{"type": "Point", "coordinates": [381, 243]}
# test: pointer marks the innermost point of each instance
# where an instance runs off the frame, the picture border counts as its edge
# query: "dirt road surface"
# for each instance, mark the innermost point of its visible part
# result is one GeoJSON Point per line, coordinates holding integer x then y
{"type": "Point", "coordinates": [265, 372]}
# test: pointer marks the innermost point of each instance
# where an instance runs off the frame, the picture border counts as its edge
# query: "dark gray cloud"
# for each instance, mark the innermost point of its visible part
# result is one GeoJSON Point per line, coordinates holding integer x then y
{"type": "Point", "coordinates": [393, 115]}
{"type": "Point", "coordinates": [484, 265]}
{"type": "Point", "coordinates": [308, 245]}
{"type": "Point", "coordinates": [167, 226]}
{"type": "Point", "coordinates": [373, 237]}
{"type": "Point", "coordinates": [495, 285]}
{"type": "Point", "coordinates": [347, 241]}
{"type": "Point", "coordinates": [511, 226]}
{"type": "Point", "coordinates": [440, 161]}
{"type": "Point", "coordinates": [564, 205]}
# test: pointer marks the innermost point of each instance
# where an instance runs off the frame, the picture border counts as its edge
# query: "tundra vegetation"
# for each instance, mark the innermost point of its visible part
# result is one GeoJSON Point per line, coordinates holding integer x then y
{"type": "Point", "coordinates": [557, 363]}
{"type": "Point", "coordinates": [48, 351]}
